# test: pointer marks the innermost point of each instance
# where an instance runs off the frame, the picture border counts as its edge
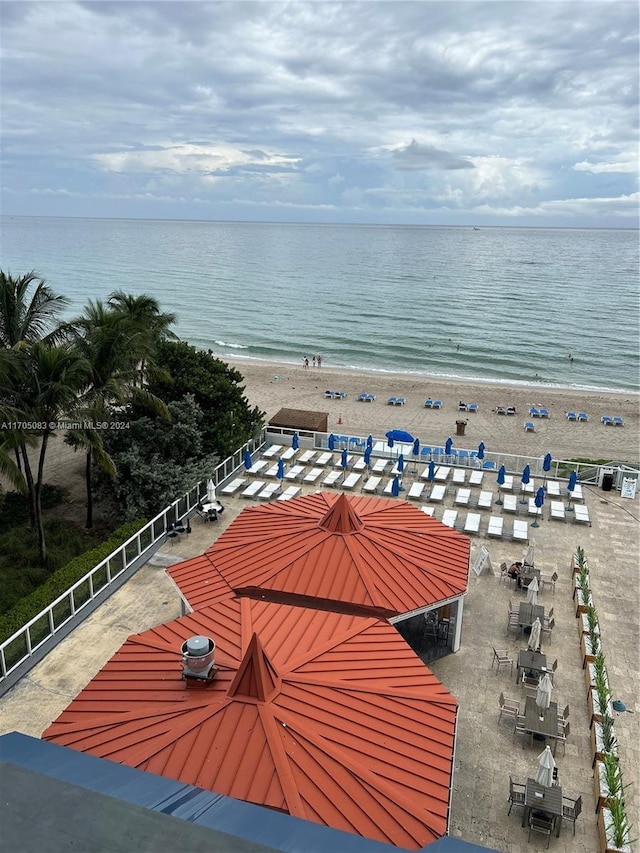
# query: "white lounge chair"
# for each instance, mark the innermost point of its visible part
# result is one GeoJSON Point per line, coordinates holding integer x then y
{"type": "Point", "coordinates": [442, 472]}
{"type": "Point", "coordinates": [475, 478]}
{"type": "Point", "coordinates": [459, 476]}
{"type": "Point", "coordinates": [288, 454]}
{"type": "Point", "coordinates": [507, 486]}
{"type": "Point", "coordinates": [232, 487]}
{"type": "Point", "coordinates": [437, 493]}
{"type": "Point", "coordinates": [289, 492]}
{"type": "Point", "coordinates": [379, 465]}
{"type": "Point", "coordinates": [271, 472]}
{"type": "Point", "coordinates": [557, 510]}
{"type": "Point", "coordinates": [323, 459]}
{"type": "Point", "coordinates": [338, 462]}
{"type": "Point", "coordinates": [307, 457]}
{"type": "Point", "coordinates": [351, 481]}
{"type": "Point", "coordinates": [428, 510]}
{"type": "Point", "coordinates": [295, 473]}
{"type": "Point", "coordinates": [510, 504]}
{"type": "Point", "coordinates": [359, 465]}
{"type": "Point", "coordinates": [528, 488]}
{"type": "Point", "coordinates": [485, 500]}
{"type": "Point", "coordinates": [257, 467]}
{"type": "Point", "coordinates": [372, 484]}
{"type": "Point", "coordinates": [415, 492]}
{"type": "Point", "coordinates": [472, 522]}
{"type": "Point", "coordinates": [269, 491]}
{"type": "Point", "coordinates": [533, 509]}
{"type": "Point", "coordinates": [449, 517]}
{"type": "Point", "coordinates": [520, 530]}
{"type": "Point", "coordinates": [582, 514]}
{"type": "Point", "coordinates": [273, 450]}
{"type": "Point", "coordinates": [462, 498]}
{"type": "Point", "coordinates": [312, 476]}
{"type": "Point", "coordinates": [332, 478]}
{"type": "Point", "coordinates": [252, 490]}
{"type": "Point", "coordinates": [577, 494]}
{"type": "Point", "coordinates": [496, 524]}
{"type": "Point", "coordinates": [553, 488]}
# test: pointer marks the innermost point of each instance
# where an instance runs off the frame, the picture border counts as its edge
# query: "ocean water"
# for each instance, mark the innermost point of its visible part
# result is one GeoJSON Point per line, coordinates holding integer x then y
{"type": "Point", "coordinates": [556, 307]}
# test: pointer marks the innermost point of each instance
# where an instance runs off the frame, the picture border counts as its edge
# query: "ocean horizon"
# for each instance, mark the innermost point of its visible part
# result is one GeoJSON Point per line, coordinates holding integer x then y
{"type": "Point", "coordinates": [542, 307]}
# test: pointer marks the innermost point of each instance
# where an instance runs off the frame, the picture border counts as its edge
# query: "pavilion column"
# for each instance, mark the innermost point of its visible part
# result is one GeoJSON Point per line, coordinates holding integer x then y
{"type": "Point", "coordinates": [458, 625]}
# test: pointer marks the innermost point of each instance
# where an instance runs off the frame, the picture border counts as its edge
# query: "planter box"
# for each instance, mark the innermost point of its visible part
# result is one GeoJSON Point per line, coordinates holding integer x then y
{"type": "Point", "coordinates": [595, 712]}
{"type": "Point", "coordinates": [597, 747]}
{"type": "Point", "coordinates": [574, 565]}
{"type": "Point", "coordinates": [581, 605]}
{"type": "Point", "coordinates": [587, 653]}
{"type": "Point", "coordinates": [583, 625]}
{"type": "Point", "coordinates": [600, 789]}
{"type": "Point", "coordinates": [604, 834]}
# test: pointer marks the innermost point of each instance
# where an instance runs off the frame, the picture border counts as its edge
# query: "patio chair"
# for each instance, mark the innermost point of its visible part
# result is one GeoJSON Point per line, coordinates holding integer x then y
{"type": "Point", "coordinates": [571, 810]}
{"type": "Point", "coordinates": [520, 729]}
{"type": "Point", "coordinates": [550, 582]}
{"type": "Point", "coordinates": [541, 822]}
{"type": "Point", "coordinates": [508, 707]}
{"type": "Point", "coordinates": [606, 420]}
{"type": "Point", "coordinates": [547, 628]}
{"type": "Point", "coordinates": [516, 794]}
{"type": "Point", "coordinates": [572, 416]}
{"type": "Point", "coordinates": [562, 737]}
{"type": "Point", "coordinates": [547, 618]}
{"type": "Point", "coordinates": [583, 416]}
{"type": "Point", "coordinates": [501, 658]}
{"type": "Point", "coordinates": [529, 427]}
{"type": "Point", "coordinates": [618, 421]}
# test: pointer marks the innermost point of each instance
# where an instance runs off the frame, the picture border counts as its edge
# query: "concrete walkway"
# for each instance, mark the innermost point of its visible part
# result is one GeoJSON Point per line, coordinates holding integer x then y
{"type": "Point", "coordinates": [486, 752]}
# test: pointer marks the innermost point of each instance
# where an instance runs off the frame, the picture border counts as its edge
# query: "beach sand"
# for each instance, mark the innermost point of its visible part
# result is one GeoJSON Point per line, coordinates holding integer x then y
{"type": "Point", "coordinates": [272, 386]}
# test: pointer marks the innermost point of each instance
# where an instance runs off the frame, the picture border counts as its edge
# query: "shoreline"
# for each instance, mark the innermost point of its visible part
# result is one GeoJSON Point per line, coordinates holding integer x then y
{"type": "Point", "coordinates": [435, 377]}
{"type": "Point", "coordinates": [272, 385]}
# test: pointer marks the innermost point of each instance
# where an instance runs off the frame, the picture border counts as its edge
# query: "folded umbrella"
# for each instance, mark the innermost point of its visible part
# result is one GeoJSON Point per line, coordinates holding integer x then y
{"type": "Point", "coordinates": [546, 766]}
{"type": "Point", "coordinates": [247, 461]}
{"type": "Point", "coordinates": [532, 592]}
{"type": "Point", "coordinates": [295, 441]}
{"type": "Point", "coordinates": [534, 636]}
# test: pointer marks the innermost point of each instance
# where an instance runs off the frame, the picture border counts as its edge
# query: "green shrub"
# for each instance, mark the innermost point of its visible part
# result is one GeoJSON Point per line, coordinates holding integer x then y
{"type": "Point", "coordinates": [62, 580]}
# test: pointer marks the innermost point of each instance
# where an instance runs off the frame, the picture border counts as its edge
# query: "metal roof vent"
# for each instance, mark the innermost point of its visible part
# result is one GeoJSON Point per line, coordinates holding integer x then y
{"type": "Point", "coordinates": [198, 658]}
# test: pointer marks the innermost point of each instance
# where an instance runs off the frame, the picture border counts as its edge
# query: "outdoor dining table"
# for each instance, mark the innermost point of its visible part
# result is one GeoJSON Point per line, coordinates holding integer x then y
{"type": "Point", "coordinates": [527, 574]}
{"type": "Point", "coordinates": [528, 613]}
{"type": "Point", "coordinates": [539, 798]}
{"type": "Point", "coordinates": [529, 661]}
{"type": "Point", "coordinates": [547, 727]}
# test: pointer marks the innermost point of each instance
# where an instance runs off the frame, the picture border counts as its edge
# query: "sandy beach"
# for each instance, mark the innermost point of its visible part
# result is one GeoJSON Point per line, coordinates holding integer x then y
{"type": "Point", "coordinates": [272, 386]}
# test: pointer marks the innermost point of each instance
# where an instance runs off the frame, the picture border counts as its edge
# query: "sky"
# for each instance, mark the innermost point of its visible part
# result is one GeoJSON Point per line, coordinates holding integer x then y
{"type": "Point", "coordinates": [436, 113]}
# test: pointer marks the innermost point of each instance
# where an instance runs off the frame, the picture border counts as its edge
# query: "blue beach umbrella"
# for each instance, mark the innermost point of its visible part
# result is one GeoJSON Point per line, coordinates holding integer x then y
{"type": "Point", "coordinates": [539, 501]}
{"type": "Point", "coordinates": [395, 486]}
{"type": "Point", "coordinates": [400, 435]}
{"type": "Point", "coordinates": [573, 479]}
{"type": "Point", "coordinates": [546, 466]}
{"type": "Point", "coordinates": [400, 463]}
{"type": "Point", "coordinates": [247, 460]}
{"type": "Point", "coordinates": [416, 447]}
{"type": "Point", "coordinates": [367, 456]}
{"type": "Point", "coordinates": [295, 441]}
{"type": "Point", "coordinates": [370, 442]}
{"type": "Point", "coordinates": [525, 479]}
{"type": "Point", "coordinates": [332, 442]}
{"type": "Point", "coordinates": [480, 453]}
{"type": "Point", "coordinates": [448, 445]}
{"type": "Point", "coordinates": [280, 473]}
{"type": "Point", "coordinates": [432, 471]}
{"type": "Point", "coordinates": [500, 481]}
{"type": "Point", "coordinates": [344, 458]}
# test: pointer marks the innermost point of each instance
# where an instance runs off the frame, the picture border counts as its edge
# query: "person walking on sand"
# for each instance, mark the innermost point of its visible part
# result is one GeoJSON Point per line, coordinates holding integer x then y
{"type": "Point", "coordinates": [314, 361]}
{"type": "Point", "coordinates": [319, 360]}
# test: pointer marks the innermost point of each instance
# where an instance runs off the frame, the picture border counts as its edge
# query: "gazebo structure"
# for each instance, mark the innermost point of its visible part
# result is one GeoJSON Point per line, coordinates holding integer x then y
{"type": "Point", "coordinates": [333, 550]}
{"type": "Point", "coordinates": [327, 716]}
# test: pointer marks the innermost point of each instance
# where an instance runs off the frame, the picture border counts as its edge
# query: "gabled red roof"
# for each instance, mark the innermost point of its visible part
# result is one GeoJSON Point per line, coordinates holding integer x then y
{"type": "Point", "coordinates": [326, 716]}
{"type": "Point", "coordinates": [362, 550]}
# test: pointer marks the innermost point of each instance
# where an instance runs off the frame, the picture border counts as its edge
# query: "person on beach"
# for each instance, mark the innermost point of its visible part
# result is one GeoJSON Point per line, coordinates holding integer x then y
{"type": "Point", "coordinates": [319, 360]}
{"type": "Point", "coordinates": [514, 572]}
{"type": "Point", "coordinates": [305, 362]}
{"type": "Point", "coordinates": [314, 361]}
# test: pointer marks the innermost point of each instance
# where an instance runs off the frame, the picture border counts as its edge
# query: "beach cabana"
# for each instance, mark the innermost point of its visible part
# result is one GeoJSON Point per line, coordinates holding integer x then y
{"type": "Point", "coordinates": [305, 423]}
{"type": "Point", "coordinates": [326, 716]}
{"type": "Point", "coordinates": [331, 550]}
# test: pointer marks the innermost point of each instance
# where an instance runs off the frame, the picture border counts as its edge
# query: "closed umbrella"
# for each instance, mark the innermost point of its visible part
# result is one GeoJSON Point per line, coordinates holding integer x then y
{"type": "Point", "coordinates": [370, 442]}
{"type": "Point", "coordinates": [530, 555]}
{"type": "Point", "coordinates": [401, 463]}
{"type": "Point", "coordinates": [573, 479]}
{"type": "Point", "coordinates": [525, 480]}
{"type": "Point", "coordinates": [480, 453]}
{"type": "Point", "coordinates": [534, 636]}
{"type": "Point", "coordinates": [532, 592]}
{"type": "Point", "coordinates": [280, 472]}
{"type": "Point", "coordinates": [211, 492]}
{"type": "Point", "coordinates": [543, 694]}
{"type": "Point", "coordinates": [331, 442]}
{"type": "Point", "coordinates": [431, 473]}
{"type": "Point", "coordinates": [546, 766]}
{"type": "Point", "coordinates": [295, 441]}
{"type": "Point", "coordinates": [344, 459]}
{"type": "Point", "coordinates": [367, 456]}
{"type": "Point", "coordinates": [500, 481]}
{"type": "Point", "coordinates": [416, 454]}
{"type": "Point", "coordinates": [395, 486]}
{"type": "Point", "coordinates": [546, 465]}
{"type": "Point", "coordinates": [390, 441]}
{"type": "Point", "coordinates": [539, 502]}
{"type": "Point", "coordinates": [247, 460]}
{"type": "Point", "coordinates": [448, 445]}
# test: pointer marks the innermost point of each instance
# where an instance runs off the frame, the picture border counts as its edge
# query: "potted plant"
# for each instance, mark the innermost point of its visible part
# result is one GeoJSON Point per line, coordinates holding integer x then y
{"type": "Point", "coordinates": [579, 560]}
{"type": "Point", "coordinates": [614, 827]}
{"type": "Point", "coordinates": [599, 700]}
{"type": "Point", "coordinates": [603, 740]}
{"type": "Point", "coordinates": [607, 780]}
{"type": "Point", "coordinates": [596, 672]}
{"type": "Point", "coordinates": [590, 642]}
{"type": "Point", "coordinates": [588, 622]}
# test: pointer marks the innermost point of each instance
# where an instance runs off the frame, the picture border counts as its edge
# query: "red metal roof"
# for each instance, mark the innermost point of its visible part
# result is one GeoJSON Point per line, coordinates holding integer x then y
{"type": "Point", "coordinates": [368, 551]}
{"type": "Point", "coordinates": [326, 716]}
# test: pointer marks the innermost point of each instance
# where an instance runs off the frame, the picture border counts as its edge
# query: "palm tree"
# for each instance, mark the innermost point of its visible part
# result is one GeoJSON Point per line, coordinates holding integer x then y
{"type": "Point", "coordinates": [55, 377]}
{"type": "Point", "coordinates": [148, 326]}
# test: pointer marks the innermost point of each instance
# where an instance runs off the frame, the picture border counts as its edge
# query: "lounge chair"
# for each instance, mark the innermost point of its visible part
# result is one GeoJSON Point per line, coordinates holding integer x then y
{"type": "Point", "coordinates": [289, 492]}
{"type": "Point", "coordinates": [270, 452]}
{"type": "Point", "coordinates": [232, 487]}
{"type": "Point", "coordinates": [307, 457]}
{"type": "Point", "coordinates": [507, 486]}
{"type": "Point", "coordinates": [581, 514]}
{"type": "Point", "coordinates": [313, 476]}
{"type": "Point", "coordinates": [351, 481]}
{"type": "Point", "coordinates": [415, 491]}
{"type": "Point", "coordinates": [543, 413]}
{"type": "Point", "coordinates": [362, 398]}
{"type": "Point", "coordinates": [288, 454]}
{"type": "Point", "coordinates": [258, 467]}
{"type": "Point", "coordinates": [618, 421]}
{"type": "Point", "coordinates": [485, 500]}
{"type": "Point", "coordinates": [553, 488]}
{"type": "Point", "coordinates": [428, 403]}
{"type": "Point", "coordinates": [534, 413]}
{"type": "Point", "coordinates": [496, 524]}
{"type": "Point", "coordinates": [462, 498]}
{"type": "Point", "coordinates": [392, 401]}
{"type": "Point", "coordinates": [442, 472]}
{"type": "Point", "coordinates": [372, 484]}
{"type": "Point", "coordinates": [501, 410]}
{"type": "Point", "coordinates": [323, 459]}
{"type": "Point", "coordinates": [475, 478]}
{"type": "Point", "coordinates": [520, 530]}
{"type": "Point", "coordinates": [583, 417]}
{"type": "Point", "coordinates": [449, 517]}
{"type": "Point", "coordinates": [359, 465]}
{"type": "Point", "coordinates": [425, 452]}
{"type": "Point", "coordinates": [557, 510]}
{"type": "Point", "coordinates": [271, 472]}
{"type": "Point", "coordinates": [330, 394]}
{"type": "Point", "coordinates": [511, 410]}
{"type": "Point", "coordinates": [400, 401]}
{"type": "Point", "coordinates": [437, 404]}
{"type": "Point", "coordinates": [510, 504]}
{"type": "Point", "coordinates": [296, 472]}
{"type": "Point", "coordinates": [607, 421]}
{"type": "Point", "coordinates": [532, 509]}
{"type": "Point", "coordinates": [428, 510]}
{"type": "Point", "coordinates": [332, 478]}
{"type": "Point", "coordinates": [437, 493]}
{"type": "Point", "coordinates": [577, 493]}
{"type": "Point", "coordinates": [472, 522]}
{"type": "Point", "coordinates": [459, 476]}
{"type": "Point", "coordinates": [269, 491]}
{"type": "Point", "coordinates": [379, 465]}
{"type": "Point", "coordinates": [252, 490]}
{"type": "Point", "coordinates": [463, 407]}
{"type": "Point", "coordinates": [529, 427]}
{"type": "Point", "coordinates": [571, 416]}
{"type": "Point", "coordinates": [472, 407]}
{"type": "Point", "coordinates": [338, 464]}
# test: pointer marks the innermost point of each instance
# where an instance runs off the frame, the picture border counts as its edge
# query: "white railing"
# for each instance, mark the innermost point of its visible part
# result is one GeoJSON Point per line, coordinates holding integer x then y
{"type": "Point", "coordinates": [17, 653]}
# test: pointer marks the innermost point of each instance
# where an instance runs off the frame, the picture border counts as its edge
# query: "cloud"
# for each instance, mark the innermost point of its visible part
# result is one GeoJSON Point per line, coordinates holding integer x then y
{"type": "Point", "coordinates": [415, 156]}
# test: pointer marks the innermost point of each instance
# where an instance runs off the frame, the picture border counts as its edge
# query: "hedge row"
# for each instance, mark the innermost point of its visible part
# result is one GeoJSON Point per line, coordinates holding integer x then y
{"type": "Point", "coordinates": [65, 578]}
